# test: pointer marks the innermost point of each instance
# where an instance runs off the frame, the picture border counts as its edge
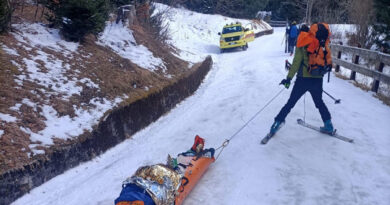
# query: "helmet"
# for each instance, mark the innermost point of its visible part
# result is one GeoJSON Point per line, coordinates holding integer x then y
{"type": "Point", "coordinates": [304, 28]}
{"type": "Point", "coordinates": [294, 23]}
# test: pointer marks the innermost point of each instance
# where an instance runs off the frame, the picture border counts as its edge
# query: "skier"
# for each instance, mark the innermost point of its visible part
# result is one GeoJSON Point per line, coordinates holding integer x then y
{"type": "Point", "coordinates": [292, 37]}
{"type": "Point", "coordinates": [312, 60]}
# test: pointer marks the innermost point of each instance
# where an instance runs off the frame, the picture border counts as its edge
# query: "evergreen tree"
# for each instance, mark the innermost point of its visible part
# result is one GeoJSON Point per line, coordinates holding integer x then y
{"type": "Point", "coordinates": [290, 10]}
{"type": "Point", "coordinates": [382, 27]}
{"type": "Point", "coordinates": [240, 8]}
{"type": "Point", "coordinates": [202, 6]}
{"type": "Point", "coordinates": [118, 3]}
{"type": "Point", "coordinates": [5, 15]}
{"type": "Point", "coordinates": [77, 18]}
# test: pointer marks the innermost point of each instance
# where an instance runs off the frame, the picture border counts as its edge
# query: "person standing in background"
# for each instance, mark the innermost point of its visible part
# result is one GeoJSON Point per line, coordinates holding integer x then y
{"type": "Point", "coordinates": [292, 37]}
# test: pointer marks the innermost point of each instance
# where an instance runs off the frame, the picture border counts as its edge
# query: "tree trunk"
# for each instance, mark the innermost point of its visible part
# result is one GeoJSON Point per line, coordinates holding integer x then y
{"type": "Point", "coordinates": [36, 11]}
{"type": "Point", "coordinates": [309, 9]}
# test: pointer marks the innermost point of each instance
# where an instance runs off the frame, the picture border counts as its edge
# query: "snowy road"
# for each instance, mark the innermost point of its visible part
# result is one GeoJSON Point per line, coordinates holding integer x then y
{"type": "Point", "coordinates": [299, 166]}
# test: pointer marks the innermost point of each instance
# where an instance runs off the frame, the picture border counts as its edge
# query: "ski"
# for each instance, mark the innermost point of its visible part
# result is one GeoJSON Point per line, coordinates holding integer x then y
{"type": "Point", "coordinates": [270, 135]}
{"type": "Point", "coordinates": [334, 134]}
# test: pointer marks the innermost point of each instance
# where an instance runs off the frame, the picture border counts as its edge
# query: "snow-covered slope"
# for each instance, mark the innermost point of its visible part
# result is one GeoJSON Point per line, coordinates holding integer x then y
{"type": "Point", "coordinates": [120, 39]}
{"type": "Point", "coordinates": [298, 166]}
{"type": "Point", "coordinates": [51, 64]}
{"type": "Point", "coordinates": [195, 34]}
{"type": "Point", "coordinates": [43, 66]}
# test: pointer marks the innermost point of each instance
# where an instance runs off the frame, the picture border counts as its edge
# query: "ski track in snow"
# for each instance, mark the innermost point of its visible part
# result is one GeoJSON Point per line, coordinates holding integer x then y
{"type": "Point", "coordinates": [298, 166]}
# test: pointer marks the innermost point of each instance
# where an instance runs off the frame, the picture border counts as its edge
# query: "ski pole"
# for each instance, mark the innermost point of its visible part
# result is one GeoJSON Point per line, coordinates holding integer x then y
{"type": "Point", "coordinates": [336, 101]}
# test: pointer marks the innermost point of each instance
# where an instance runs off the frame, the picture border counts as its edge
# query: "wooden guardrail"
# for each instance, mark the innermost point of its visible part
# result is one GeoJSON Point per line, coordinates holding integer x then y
{"type": "Point", "coordinates": [379, 58]}
{"type": "Point", "coordinates": [262, 33]}
{"type": "Point", "coordinates": [277, 23]}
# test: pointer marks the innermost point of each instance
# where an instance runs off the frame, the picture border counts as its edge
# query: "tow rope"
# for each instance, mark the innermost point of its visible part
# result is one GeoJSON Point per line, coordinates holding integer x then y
{"type": "Point", "coordinates": [226, 142]}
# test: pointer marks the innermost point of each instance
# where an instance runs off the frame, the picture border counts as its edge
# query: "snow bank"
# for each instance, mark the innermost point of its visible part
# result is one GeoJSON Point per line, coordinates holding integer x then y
{"type": "Point", "coordinates": [340, 31]}
{"type": "Point", "coordinates": [42, 66]}
{"type": "Point", "coordinates": [37, 35]}
{"type": "Point", "coordinates": [53, 76]}
{"type": "Point", "coordinates": [66, 127]}
{"type": "Point", "coordinates": [195, 34]}
{"type": "Point", "coordinates": [10, 51]}
{"type": "Point", "coordinates": [25, 101]}
{"type": "Point", "coordinates": [7, 118]}
{"type": "Point", "coordinates": [120, 39]}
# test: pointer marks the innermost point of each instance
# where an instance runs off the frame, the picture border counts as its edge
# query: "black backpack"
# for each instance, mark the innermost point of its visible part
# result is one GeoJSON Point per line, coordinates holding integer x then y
{"type": "Point", "coordinates": [322, 34]}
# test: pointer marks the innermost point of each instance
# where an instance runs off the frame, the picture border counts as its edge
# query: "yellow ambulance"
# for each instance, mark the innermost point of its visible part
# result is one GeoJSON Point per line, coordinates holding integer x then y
{"type": "Point", "coordinates": [235, 35]}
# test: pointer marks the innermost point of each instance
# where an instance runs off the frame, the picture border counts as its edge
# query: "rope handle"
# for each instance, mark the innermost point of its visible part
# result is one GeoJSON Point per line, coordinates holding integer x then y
{"type": "Point", "coordinates": [224, 144]}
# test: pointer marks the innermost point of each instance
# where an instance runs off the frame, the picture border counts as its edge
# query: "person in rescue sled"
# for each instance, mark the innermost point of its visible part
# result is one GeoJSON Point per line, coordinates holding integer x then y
{"type": "Point", "coordinates": [292, 37]}
{"type": "Point", "coordinates": [170, 183]}
{"type": "Point", "coordinates": [312, 60]}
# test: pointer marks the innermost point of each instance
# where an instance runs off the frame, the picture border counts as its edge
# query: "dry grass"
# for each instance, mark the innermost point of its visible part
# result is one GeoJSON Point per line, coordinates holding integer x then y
{"type": "Point", "coordinates": [383, 98]}
{"type": "Point", "coordinates": [27, 14]}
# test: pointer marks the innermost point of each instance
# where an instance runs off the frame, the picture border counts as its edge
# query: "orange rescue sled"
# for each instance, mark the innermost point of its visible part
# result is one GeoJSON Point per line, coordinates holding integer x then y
{"type": "Point", "coordinates": [192, 175]}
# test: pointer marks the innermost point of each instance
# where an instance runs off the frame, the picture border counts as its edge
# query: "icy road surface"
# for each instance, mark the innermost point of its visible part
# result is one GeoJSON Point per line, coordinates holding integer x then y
{"type": "Point", "coordinates": [298, 166]}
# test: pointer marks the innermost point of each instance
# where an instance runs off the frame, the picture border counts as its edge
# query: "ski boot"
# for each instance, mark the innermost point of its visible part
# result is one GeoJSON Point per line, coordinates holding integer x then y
{"type": "Point", "coordinates": [172, 162]}
{"type": "Point", "coordinates": [275, 127]}
{"type": "Point", "coordinates": [327, 128]}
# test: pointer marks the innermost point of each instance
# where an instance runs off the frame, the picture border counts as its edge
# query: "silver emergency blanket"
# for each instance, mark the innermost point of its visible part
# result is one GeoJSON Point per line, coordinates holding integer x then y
{"type": "Point", "coordinates": [160, 181]}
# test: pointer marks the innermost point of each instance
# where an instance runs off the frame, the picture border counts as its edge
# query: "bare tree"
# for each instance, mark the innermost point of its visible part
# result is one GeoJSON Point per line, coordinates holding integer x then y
{"type": "Point", "coordinates": [362, 14]}
{"type": "Point", "coordinates": [331, 11]}
{"type": "Point", "coordinates": [309, 9]}
{"type": "Point", "coordinates": [306, 6]}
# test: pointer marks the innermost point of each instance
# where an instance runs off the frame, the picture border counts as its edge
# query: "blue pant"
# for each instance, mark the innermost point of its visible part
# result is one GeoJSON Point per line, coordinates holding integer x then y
{"type": "Point", "coordinates": [301, 86]}
{"type": "Point", "coordinates": [291, 44]}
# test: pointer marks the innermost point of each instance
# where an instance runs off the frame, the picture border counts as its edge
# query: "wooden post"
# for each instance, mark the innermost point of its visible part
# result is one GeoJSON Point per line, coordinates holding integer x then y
{"type": "Point", "coordinates": [338, 57]}
{"type": "Point", "coordinates": [355, 61]}
{"type": "Point", "coordinates": [375, 85]}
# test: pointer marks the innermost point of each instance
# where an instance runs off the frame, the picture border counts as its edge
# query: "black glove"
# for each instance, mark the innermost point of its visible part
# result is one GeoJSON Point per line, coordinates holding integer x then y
{"type": "Point", "coordinates": [286, 82]}
{"type": "Point", "coordinates": [328, 68]}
